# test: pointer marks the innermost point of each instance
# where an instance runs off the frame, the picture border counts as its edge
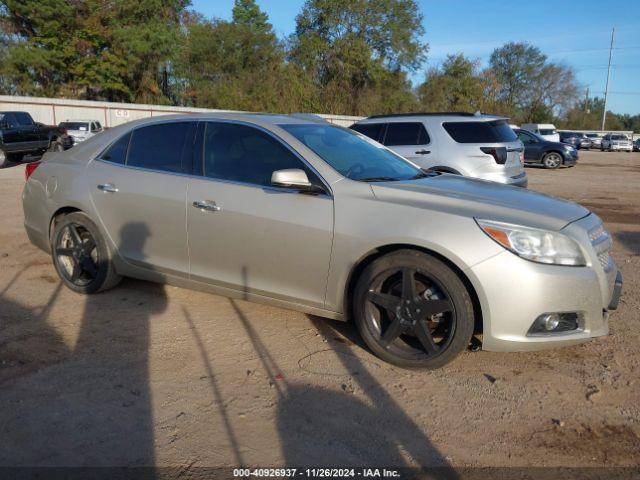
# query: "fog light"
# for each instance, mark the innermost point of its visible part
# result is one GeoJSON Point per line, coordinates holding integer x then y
{"type": "Point", "coordinates": [552, 323]}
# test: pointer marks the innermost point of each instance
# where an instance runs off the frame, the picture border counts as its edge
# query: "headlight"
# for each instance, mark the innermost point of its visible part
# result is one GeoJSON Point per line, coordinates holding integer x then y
{"type": "Point", "coordinates": [542, 246]}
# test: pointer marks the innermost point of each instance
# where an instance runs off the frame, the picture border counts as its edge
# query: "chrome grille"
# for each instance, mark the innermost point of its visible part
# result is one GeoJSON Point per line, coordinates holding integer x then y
{"type": "Point", "coordinates": [601, 242]}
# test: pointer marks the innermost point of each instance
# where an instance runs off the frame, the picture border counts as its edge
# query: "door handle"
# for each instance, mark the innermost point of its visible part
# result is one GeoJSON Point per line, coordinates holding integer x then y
{"type": "Point", "coordinates": [206, 206]}
{"type": "Point", "coordinates": [107, 188]}
{"type": "Point", "coordinates": [423, 152]}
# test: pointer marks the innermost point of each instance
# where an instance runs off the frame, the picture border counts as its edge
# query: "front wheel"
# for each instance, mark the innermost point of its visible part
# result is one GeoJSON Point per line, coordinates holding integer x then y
{"type": "Point", "coordinates": [80, 255]}
{"type": "Point", "coordinates": [412, 310]}
{"type": "Point", "coordinates": [552, 160]}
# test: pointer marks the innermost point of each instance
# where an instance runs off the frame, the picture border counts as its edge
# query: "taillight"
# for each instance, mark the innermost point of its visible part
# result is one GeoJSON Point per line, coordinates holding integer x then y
{"type": "Point", "coordinates": [29, 168]}
{"type": "Point", "coordinates": [499, 154]}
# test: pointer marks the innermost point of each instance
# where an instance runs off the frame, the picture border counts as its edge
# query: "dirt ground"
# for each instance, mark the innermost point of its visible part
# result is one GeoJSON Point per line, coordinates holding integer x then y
{"type": "Point", "coordinates": [153, 375]}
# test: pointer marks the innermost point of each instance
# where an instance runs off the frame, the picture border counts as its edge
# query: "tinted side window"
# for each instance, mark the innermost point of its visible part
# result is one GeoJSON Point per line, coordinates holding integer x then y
{"type": "Point", "coordinates": [9, 119]}
{"type": "Point", "coordinates": [371, 130]}
{"type": "Point", "coordinates": [23, 118]}
{"type": "Point", "coordinates": [406, 133]}
{"type": "Point", "coordinates": [525, 137]}
{"type": "Point", "coordinates": [117, 152]}
{"type": "Point", "coordinates": [245, 154]}
{"type": "Point", "coordinates": [480, 132]}
{"type": "Point", "coordinates": [163, 147]}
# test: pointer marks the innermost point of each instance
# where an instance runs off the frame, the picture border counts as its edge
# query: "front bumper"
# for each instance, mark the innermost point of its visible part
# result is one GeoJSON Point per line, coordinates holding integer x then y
{"type": "Point", "coordinates": [619, 148]}
{"type": "Point", "coordinates": [513, 292]}
{"type": "Point", "coordinates": [570, 158]}
{"type": "Point", "coordinates": [516, 292]}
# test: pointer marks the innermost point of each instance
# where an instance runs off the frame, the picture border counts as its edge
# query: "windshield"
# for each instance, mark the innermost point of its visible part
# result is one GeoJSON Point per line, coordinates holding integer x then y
{"type": "Point", "coordinates": [547, 131]}
{"type": "Point", "coordinates": [353, 155]}
{"type": "Point", "coordinates": [618, 137]}
{"type": "Point", "coordinates": [592, 135]}
{"type": "Point", "coordinates": [75, 126]}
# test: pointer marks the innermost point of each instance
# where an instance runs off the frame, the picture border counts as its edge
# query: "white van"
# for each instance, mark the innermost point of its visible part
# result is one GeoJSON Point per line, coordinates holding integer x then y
{"type": "Point", "coordinates": [545, 130]}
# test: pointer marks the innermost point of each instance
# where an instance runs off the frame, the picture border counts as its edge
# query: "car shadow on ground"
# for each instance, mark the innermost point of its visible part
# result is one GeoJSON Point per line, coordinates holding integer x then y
{"type": "Point", "coordinates": [88, 403]}
{"type": "Point", "coordinates": [631, 241]}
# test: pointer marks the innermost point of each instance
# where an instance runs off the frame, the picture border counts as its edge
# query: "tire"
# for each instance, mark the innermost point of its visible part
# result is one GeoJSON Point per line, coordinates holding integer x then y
{"type": "Point", "coordinates": [56, 146]}
{"type": "Point", "coordinates": [394, 328]}
{"type": "Point", "coordinates": [552, 160]}
{"type": "Point", "coordinates": [81, 256]}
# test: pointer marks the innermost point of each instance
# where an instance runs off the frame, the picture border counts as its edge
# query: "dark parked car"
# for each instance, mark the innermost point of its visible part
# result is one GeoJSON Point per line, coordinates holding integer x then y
{"type": "Point", "coordinates": [21, 135]}
{"type": "Point", "coordinates": [576, 139]}
{"type": "Point", "coordinates": [549, 154]}
{"type": "Point", "coordinates": [636, 145]}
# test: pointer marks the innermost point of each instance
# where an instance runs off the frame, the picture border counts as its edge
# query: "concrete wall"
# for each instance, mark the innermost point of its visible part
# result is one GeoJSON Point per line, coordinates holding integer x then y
{"type": "Point", "coordinates": [52, 111]}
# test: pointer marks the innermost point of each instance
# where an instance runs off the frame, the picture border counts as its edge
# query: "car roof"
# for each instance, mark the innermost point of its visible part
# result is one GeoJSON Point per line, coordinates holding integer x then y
{"type": "Point", "coordinates": [446, 116]}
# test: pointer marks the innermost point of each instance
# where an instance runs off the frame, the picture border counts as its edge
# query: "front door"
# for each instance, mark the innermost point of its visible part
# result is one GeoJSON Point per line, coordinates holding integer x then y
{"type": "Point", "coordinates": [531, 146]}
{"type": "Point", "coordinates": [138, 187]}
{"type": "Point", "coordinates": [245, 234]}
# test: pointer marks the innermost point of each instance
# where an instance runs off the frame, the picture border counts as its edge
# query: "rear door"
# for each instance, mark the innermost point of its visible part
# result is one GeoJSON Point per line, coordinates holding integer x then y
{"type": "Point", "coordinates": [255, 237]}
{"type": "Point", "coordinates": [138, 186]}
{"type": "Point", "coordinates": [410, 140]}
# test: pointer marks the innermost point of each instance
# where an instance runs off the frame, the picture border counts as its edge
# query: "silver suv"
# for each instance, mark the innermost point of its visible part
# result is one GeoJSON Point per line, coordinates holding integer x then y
{"type": "Point", "coordinates": [474, 145]}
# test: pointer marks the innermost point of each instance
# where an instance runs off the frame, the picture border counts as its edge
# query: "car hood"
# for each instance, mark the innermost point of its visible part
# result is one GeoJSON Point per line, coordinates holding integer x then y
{"type": "Point", "coordinates": [482, 199]}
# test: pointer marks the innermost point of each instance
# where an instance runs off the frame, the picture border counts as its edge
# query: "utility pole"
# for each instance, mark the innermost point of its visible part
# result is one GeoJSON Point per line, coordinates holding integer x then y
{"type": "Point", "coordinates": [606, 88]}
{"type": "Point", "coordinates": [586, 102]}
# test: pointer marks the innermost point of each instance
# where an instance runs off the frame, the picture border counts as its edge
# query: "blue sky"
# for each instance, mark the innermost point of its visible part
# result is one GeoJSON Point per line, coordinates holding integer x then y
{"type": "Point", "coordinates": [573, 32]}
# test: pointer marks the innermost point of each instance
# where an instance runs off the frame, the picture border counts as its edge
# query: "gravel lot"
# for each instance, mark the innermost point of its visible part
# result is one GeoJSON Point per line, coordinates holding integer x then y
{"type": "Point", "coordinates": [153, 375]}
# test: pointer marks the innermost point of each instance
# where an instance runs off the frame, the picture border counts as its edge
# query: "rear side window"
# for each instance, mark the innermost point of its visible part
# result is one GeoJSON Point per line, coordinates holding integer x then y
{"type": "Point", "coordinates": [371, 130]}
{"type": "Point", "coordinates": [480, 132]}
{"type": "Point", "coordinates": [245, 154]}
{"type": "Point", "coordinates": [117, 152]}
{"type": "Point", "coordinates": [406, 133]}
{"type": "Point", "coordinates": [24, 118]}
{"type": "Point", "coordinates": [547, 131]}
{"type": "Point", "coordinates": [165, 147]}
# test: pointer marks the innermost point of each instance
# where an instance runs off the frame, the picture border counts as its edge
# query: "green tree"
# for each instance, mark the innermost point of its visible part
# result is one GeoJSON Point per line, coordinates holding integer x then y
{"type": "Point", "coordinates": [248, 13]}
{"type": "Point", "coordinates": [353, 50]}
{"type": "Point", "coordinates": [239, 65]}
{"type": "Point", "coordinates": [455, 86]}
{"type": "Point", "coordinates": [92, 49]}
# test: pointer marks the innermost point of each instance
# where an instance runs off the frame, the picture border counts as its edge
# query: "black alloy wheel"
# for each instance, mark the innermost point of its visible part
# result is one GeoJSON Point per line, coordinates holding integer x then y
{"type": "Point", "coordinates": [413, 311]}
{"type": "Point", "coordinates": [80, 255]}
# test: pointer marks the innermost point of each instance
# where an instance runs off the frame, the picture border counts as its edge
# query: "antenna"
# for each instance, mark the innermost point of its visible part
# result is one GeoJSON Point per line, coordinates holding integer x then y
{"type": "Point", "coordinates": [606, 88]}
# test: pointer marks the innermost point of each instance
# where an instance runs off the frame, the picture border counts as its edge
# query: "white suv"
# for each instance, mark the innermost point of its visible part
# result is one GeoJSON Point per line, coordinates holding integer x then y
{"type": "Point", "coordinates": [616, 141]}
{"type": "Point", "coordinates": [474, 145]}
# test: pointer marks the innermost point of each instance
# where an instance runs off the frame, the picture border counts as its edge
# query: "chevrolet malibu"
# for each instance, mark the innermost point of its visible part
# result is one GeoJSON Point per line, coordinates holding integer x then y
{"type": "Point", "coordinates": [304, 215]}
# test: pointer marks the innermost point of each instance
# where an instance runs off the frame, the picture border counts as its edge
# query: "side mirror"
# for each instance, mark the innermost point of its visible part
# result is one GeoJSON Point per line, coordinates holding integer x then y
{"type": "Point", "coordinates": [295, 179]}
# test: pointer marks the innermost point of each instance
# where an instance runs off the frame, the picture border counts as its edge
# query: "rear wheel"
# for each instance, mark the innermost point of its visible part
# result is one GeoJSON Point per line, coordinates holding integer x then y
{"type": "Point", "coordinates": [552, 160]}
{"type": "Point", "coordinates": [80, 255]}
{"type": "Point", "coordinates": [412, 310]}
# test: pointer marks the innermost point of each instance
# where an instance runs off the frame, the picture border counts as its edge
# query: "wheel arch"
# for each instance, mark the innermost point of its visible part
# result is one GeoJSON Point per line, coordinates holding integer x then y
{"type": "Point", "coordinates": [60, 212]}
{"type": "Point", "coordinates": [377, 252]}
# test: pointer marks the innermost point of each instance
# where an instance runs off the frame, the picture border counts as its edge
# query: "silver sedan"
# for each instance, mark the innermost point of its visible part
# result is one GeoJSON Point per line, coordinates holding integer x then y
{"type": "Point", "coordinates": [305, 215]}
